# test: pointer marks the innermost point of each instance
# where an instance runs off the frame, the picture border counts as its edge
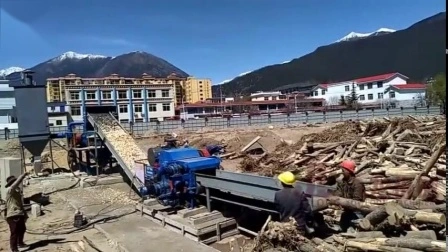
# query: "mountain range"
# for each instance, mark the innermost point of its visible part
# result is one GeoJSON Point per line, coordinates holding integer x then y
{"type": "Point", "coordinates": [416, 52]}
{"type": "Point", "coordinates": [132, 64]}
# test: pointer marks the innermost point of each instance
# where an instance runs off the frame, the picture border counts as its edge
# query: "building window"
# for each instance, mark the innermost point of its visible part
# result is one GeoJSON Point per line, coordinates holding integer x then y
{"type": "Point", "coordinates": [107, 95]}
{"type": "Point", "coordinates": [59, 122]}
{"type": "Point", "coordinates": [347, 88]}
{"type": "Point", "coordinates": [266, 98]}
{"type": "Point", "coordinates": [151, 93]}
{"type": "Point", "coordinates": [74, 95]}
{"type": "Point", "coordinates": [323, 92]}
{"type": "Point", "coordinates": [391, 94]}
{"type": "Point", "coordinates": [165, 93]}
{"type": "Point", "coordinates": [152, 108]}
{"type": "Point", "coordinates": [362, 97]}
{"type": "Point", "coordinates": [370, 96]}
{"type": "Point", "coordinates": [138, 108]}
{"type": "Point", "coordinates": [369, 85]}
{"type": "Point", "coordinates": [75, 111]}
{"type": "Point", "coordinates": [90, 95]}
{"type": "Point", "coordinates": [200, 82]}
{"type": "Point", "coordinates": [137, 94]}
{"type": "Point", "coordinates": [316, 93]}
{"type": "Point", "coordinates": [380, 95]}
{"type": "Point", "coordinates": [122, 94]}
{"type": "Point", "coordinates": [123, 108]}
{"type": "Point", "coordinates": [200, 86]}
{"type": "Point", "coordinates": [166, 107]}
{"type": "Point", "coordinates": [361, 87]}
{"type": "Point", "coordinates": [379, 84]}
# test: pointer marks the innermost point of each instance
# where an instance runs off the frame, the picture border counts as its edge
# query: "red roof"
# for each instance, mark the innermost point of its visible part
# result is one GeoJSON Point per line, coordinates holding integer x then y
{"type": "Point", "coordinates": [409, 86]}
{"type": "Point", "coordinates": [380, 77]}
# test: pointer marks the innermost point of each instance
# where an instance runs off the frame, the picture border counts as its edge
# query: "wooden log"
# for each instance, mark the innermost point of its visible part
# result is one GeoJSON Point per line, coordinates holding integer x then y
{"type": "Point", "coordinates": [415, 188]}
{"type": "Point", "coordinates": [396, 185]}
{"type": "Point", "coordinates": [394, 172]}
{"type": "Point", "coordinates": [324, 246]}
{"type": "Point", "coordinates": [373, 218]}
{"type": "Point", "coordinates": [370, 234]}
{"type": "Point", "coordinates": [351, 204]}
{"type": "Point", "coordinates": [363, 246]}
{"type": "Point", "coordinates": [410, 243]}
{"type": "Point", "coordinates": [394, 209]}
{"type": "Point", "coordinates": [424, 234]}
{"type": "Point", "coordinates": [245, 148]}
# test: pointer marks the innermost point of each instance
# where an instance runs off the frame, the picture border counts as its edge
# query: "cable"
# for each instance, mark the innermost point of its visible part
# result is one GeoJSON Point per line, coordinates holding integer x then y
{"type": "Point", "coordinates": [104, 219]}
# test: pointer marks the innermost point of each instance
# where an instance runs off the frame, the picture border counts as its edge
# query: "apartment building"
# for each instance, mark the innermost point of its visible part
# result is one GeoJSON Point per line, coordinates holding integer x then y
{"type": "Point", "coordinates": [391, 89]}
{"type": "Point", "coordinates": [7, 102]}
{"type": "Point", "coordinates": [144, 99]}
{"type": "Point", "coordinates": [56, 86]}
{"type": "Point", "coordinates": [197, 90]}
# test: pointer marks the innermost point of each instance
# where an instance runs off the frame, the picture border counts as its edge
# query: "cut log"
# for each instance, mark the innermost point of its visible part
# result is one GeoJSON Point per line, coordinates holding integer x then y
{"type": "Point", "coordinates": [372, 219]}
{"type": "Point", "coordinates": [324, 246]}
{"type": "Point", "coordinates": [415, 189]}
{"type": "Point", "coordinates": [374, 187]}
{"type": "Point", "coordinates": [417, 244]}
{"type": "Point", "coordinates": [424, 234]}
{"type": "Point", "coordinates": [363, 246]}
{"type": "Point", "coordinates": [394, 209]}
{"type": "Point", "coordinates": [371, 234]}
{"type": "Point", "coordinates": [351, 204]}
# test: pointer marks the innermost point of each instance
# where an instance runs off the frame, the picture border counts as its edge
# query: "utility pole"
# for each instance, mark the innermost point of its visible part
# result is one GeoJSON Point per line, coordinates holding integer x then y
{"type": "Point", "coordinates": [220, 98]}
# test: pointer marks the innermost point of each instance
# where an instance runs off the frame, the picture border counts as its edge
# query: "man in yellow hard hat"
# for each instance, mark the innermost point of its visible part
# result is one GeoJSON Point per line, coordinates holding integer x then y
{"type": "Point", "coordinates": [292, 202]}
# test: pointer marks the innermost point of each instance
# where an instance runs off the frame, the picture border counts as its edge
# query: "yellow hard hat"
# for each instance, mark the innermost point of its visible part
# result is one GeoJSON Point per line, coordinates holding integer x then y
{"type": "Point", "coordinates": [287, 178]}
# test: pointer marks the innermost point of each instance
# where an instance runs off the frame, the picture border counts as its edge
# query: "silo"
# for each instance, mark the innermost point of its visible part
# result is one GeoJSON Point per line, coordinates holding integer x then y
{"type": "Point", "coordinates": [32, 116]}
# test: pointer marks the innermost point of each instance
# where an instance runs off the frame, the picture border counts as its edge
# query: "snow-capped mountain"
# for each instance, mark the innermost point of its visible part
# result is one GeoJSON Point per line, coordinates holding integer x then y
{"type": "Point", "coordinates": [79, 56]}
{"type": "Point", "coordinates": [355, 36]}
{"type": "Point", "coordinates": [239, 75]}
{"type": "Point", "coordinates": [132, 64]}
{"type": "Point", "coordinates": [10, 70]}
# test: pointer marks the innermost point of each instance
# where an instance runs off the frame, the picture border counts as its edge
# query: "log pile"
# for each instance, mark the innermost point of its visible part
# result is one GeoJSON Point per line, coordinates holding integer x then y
{"type": "Point", "coordinates": [402, 164]}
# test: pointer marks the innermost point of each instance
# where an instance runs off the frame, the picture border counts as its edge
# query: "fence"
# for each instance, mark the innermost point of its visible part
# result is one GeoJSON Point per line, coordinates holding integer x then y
{"type": "Point", "coordinates": [143, 128]}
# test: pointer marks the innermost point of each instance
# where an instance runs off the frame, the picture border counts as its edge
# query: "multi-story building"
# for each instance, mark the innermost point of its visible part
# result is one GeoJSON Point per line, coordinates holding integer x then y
{"type": "Point", "coordinates": [389, 89]}
{"type": "Point", "coordinates": [56, 86]}
{"type": "Point", "coordinates": [197, 90]}
{"type": "Point", "coordinates": [267, 96]}
{"type": "Point", "coordinates": [134, 100]}
{"type": "Point", "coordinates": [7, 102]}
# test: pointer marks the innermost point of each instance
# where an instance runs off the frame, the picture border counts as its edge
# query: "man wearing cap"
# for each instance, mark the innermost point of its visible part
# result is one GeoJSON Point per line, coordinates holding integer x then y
{"type": "Point", "coordinates": [15, 213]}
{"type": "Point", "coordinates": [350, 188]}
{"type": "Point", "coordinates": [292, 202]}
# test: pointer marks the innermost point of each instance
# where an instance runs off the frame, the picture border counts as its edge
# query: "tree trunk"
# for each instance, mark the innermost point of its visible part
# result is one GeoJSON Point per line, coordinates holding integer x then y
{"type": "Point", "coordinates": [352, 204]}
{"type": "Point", "coordinates": [417, 244]}
{"type": "Point", "coordinates": [374, 218]}
{"type": "Point", "coordinates": [370, 234]}
{"type": "Point", "coordinates": [424, 234]}
{"type": "Point", "coordinates": [362, 246]}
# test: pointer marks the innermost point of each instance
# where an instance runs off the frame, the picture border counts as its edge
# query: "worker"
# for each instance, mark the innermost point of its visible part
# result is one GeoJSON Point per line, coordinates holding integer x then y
{"type": "Point", "coordinates": [350, 188]}
{"type": "Point", "coordinates": [292, 202]}
{"type": "Point", "coordinates": [16, 215]}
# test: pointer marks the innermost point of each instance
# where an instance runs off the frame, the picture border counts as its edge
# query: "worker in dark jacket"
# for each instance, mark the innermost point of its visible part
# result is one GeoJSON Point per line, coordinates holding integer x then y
{"type": "Point", "coordinates": [292, 202]}
{"type": "Point", "coordinates": [350, 188]}
{"type": "Point", "coordinates": [15, 212]}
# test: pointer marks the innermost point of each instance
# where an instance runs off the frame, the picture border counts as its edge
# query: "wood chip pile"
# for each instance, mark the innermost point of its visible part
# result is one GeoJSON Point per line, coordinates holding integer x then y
{"type": "Point", "coordinates": [123, 143]}
{"type": "Point", "coordinates": [401, 162]}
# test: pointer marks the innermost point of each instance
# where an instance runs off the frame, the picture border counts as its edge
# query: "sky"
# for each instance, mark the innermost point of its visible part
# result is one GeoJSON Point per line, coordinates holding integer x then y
{"type": "Point", "coordinates": [217, 39]}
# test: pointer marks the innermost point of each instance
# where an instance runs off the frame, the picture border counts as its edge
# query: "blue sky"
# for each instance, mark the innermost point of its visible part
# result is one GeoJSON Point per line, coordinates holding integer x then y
{"type": "Point", "coordinates": [218, 39]}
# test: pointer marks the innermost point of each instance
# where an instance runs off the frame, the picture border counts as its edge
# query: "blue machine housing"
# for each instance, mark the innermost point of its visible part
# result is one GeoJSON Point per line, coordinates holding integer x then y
{"type": "Point", "coordinates": [173, 182]}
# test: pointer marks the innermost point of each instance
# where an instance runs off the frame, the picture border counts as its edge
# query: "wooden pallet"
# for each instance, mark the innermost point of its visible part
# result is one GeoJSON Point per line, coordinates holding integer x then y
{"type": "Point", "coordinates": [196, 224]}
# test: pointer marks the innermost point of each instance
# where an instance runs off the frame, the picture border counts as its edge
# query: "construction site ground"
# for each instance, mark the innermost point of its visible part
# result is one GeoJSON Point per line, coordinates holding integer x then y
{"type": "Point", "coordinates": [130, 232]}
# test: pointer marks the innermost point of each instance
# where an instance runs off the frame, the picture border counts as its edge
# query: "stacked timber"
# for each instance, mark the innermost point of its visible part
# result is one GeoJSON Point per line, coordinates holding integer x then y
{"type": "Point", "coordinates": [402, 164]}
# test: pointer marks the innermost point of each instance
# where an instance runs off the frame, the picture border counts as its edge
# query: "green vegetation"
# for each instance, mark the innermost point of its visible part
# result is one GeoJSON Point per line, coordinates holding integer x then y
{"type": "Point", "coordinates": [436, 91]}
{"type": "Point", "coordinates": [352, 99]}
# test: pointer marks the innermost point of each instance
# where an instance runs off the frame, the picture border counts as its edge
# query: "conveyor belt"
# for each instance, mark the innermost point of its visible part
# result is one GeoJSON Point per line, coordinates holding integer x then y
{"type": "Point", "coordinates": [103, 120]}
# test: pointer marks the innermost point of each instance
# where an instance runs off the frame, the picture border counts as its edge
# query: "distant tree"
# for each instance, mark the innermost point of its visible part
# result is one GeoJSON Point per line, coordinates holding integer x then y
{"type": "Point", "coordinates": [352, 99]}
{"type": "Point", "coordinates": [436, 91]}
{"type": "Point", "coordinates": [420, 100]}
{"type": "Point", "coordinates": [342, 101]}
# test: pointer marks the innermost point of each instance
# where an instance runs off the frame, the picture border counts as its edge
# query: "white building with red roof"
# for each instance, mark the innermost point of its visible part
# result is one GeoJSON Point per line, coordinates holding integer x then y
{"type": "Point", "coordinates": [389, 89]}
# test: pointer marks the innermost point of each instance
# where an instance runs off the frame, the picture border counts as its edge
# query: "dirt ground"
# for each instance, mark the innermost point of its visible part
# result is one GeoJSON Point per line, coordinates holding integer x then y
{"type": "Point", "coordinates": [58, 215]}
